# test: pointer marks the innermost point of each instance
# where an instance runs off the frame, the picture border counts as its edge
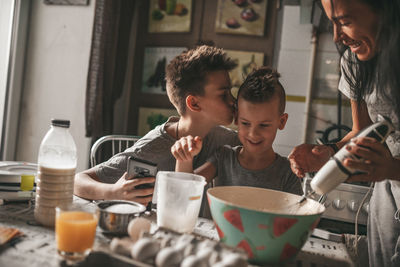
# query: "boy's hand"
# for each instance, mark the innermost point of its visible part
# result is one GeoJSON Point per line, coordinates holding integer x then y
{"type": "Point", "coordinates": [125, 189]}
{"type": "Point", "coordinates": [308, 158]}
{"type": "Point", "coordinates": [186, 148]}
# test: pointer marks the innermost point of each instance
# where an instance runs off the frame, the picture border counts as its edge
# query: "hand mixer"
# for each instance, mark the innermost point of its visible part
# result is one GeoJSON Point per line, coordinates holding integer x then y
{"type": "Point", "coordinates": [334, 172]}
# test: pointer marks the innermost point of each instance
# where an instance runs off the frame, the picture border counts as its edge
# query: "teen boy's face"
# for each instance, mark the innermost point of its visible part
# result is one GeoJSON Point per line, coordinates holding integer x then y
{"type": "Point", "coordinates": [217, 102]}
{"type": "Point", "coordinates": [258, 123]}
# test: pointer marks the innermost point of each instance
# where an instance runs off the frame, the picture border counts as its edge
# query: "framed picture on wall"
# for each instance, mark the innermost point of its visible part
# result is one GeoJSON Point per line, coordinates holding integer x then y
{"type": "Point", "coordinates": [156, 60]}
{"type": "Point", "coordinates": [246, 62]}
{"type": "Point", "coordinates": [170, 16]}
{"type": "Point", "coordinates": [241, 17]}
{"type": "Point", "coordinates": [149, 118]}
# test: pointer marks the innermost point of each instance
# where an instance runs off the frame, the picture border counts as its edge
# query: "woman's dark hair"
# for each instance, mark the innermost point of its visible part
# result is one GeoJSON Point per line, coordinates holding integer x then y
{"type": "Point", "coordinates": [383, 71]}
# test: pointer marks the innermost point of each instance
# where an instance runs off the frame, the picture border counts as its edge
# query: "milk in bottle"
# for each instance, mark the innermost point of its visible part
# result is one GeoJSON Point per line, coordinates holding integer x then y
{"type": "Point", "coordinates": [56, 171]}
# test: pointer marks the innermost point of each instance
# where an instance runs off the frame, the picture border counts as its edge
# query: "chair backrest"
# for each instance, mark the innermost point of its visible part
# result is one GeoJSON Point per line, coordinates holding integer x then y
{"type": "Point", "coordinates": [118, 144]}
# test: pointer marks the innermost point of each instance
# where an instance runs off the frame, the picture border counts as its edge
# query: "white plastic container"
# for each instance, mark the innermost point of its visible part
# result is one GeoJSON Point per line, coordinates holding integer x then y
{"type": "Point", "coordinates": [56, 172]}
{"type": "Point", "coordinates": [179, 197]}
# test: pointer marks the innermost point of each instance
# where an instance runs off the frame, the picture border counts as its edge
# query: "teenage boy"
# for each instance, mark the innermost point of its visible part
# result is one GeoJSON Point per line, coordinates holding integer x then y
{"type": "Point", "coordinates": [198, 85]}
{"type": "Point", "coordinates": [260, 113]}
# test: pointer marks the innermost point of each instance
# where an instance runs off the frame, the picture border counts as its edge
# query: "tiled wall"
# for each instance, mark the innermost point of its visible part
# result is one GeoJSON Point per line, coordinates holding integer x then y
{"type": "Point", "coordinates": [294, 66]}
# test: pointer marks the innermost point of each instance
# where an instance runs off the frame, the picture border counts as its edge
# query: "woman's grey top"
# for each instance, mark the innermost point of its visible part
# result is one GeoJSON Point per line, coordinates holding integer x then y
{"type": "Point", "coordinates": [383, 217]}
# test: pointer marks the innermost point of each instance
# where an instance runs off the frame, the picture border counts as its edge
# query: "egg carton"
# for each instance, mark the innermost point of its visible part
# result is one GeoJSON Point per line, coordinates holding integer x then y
{"type": "Point", "coordinates": [165, 247]}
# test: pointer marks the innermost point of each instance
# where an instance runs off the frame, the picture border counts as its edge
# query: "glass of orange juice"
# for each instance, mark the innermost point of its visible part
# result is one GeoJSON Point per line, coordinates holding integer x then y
{"type": "Point", "coordinates": [75, 232]}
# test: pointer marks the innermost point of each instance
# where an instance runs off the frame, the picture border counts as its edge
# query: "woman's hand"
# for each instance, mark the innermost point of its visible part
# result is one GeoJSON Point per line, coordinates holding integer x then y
{"type": "Point", "coordinates": [309, 158]}
{"type": "Point", "coordinates": [378, 162]}
{"type": "Point", "coordinates": [125, 189]}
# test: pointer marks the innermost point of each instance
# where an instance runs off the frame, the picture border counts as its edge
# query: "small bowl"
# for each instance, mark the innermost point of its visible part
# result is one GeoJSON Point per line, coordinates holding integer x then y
{"type": "Point", "coordinates": [271, 226]}
{"type": "Point", "coordinates": [115, 215]}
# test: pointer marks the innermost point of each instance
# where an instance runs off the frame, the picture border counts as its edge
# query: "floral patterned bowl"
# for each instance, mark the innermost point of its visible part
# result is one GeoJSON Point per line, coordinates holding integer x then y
{"type": "Point", "coordinates": [271, 226]}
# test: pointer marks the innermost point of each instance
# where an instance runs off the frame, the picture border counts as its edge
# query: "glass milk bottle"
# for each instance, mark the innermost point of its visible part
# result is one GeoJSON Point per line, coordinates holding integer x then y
{"type": "Point", "coordinates": [56, 171]}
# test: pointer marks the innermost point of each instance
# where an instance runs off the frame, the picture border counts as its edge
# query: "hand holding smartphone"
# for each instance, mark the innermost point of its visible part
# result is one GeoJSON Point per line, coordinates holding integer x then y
{"type": "Point", "coordinates": [139, 168]}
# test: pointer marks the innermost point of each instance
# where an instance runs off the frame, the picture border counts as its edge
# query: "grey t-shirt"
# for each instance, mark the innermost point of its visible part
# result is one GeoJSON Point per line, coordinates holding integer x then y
{"type": "Point", "coordinates": [277, 176]}
{"type": "Point", "coordinates": [383, 217]}
{"type": "Point", "coordinates": [155, 146]}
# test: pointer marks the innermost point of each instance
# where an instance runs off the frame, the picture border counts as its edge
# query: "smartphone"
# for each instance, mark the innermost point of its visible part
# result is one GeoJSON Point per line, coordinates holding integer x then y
{"type": "Point", "coordinates": [139, 168]}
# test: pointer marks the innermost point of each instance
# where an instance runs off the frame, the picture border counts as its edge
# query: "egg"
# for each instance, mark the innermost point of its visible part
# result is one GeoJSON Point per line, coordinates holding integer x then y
{"type": "Point", "coordinates": [144, 249]}
{"type": "Point", "coordinates": [137, 227]}
{"type": "Point", "coordinates": [233, 260]}
{"type": "Point", "coordinates": [168, 257]}
{"type": "Point", "coordinates": [194, 261]}
{"type": "Point", "coordinates": [207, 244]}
{"type": "Point", "coordinates": [121, 246]}
{"type": "Point", "coordinates": [208, 254]}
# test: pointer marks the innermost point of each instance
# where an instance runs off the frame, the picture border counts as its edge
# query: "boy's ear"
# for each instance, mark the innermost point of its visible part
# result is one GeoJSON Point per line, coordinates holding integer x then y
{"type": "Point", "coordinates": [192, 103]}
{"type": "Point", "coordinates": [282, 121]}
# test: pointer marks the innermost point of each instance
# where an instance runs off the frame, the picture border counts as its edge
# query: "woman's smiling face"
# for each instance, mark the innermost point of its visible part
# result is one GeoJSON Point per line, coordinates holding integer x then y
{"type": "Point", "coordinates": [355, 25]}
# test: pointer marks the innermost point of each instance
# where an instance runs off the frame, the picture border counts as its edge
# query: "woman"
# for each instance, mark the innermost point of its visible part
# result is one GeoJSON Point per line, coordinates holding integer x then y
{"type": "Point", "coordinates": [368, 36]}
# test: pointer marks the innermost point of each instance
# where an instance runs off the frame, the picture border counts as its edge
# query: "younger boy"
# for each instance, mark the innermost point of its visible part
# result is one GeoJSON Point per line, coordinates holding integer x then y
{"type": "Point", "coordinates": [198, 85]}
{"type": "Point", "coordinates": [260, 113]}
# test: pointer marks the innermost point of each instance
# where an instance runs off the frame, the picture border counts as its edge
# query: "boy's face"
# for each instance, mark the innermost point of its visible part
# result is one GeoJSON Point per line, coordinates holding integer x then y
{"type": "Point", "coordinates": [217, 102]}
{"type": "Point", "coordinates": [258, 123]}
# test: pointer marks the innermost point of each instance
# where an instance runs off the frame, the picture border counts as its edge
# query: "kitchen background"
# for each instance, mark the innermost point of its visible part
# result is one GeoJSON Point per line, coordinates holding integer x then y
{"type": "Point", "coordinates": [44, 61]}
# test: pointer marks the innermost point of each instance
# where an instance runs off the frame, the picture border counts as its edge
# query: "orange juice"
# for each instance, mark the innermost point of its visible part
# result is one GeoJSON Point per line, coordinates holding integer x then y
{"type": "Point", "coordinates": [75, 231]}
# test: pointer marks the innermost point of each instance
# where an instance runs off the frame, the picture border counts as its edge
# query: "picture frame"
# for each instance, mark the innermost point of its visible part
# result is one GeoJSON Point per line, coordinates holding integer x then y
{"type": "Point", "coordinates": [246, 62]}
{"type": "Point", "coordinates": [170, 16]}
{"type": "Point", "coordinates": [241, 17]}
{"type": "Point", "coordinates": [155, 61]}
{"type": "Point", "coordinates": [149, 118]}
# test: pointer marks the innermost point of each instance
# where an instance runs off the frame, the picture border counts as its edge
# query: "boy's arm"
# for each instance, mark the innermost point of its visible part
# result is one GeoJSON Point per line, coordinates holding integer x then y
{"type": "Point", "coordinates": [88, 185]}
{"type": "Point", "coordinates": [208, 170]}
{"type": "Point", "coordinates": [184, 151]}
{"type": "Point", "coordinates": [184, 166]}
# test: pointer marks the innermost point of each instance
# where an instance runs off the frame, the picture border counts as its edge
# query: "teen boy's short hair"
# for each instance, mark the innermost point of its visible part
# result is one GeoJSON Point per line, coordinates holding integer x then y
{"type": "Point", "coordinates": [261, 85]}
{"type": "Point", "coordinates": [186, 73]}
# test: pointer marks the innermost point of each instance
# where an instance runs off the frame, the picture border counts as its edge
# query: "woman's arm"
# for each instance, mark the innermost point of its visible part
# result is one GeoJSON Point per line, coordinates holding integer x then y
{"type": "Point", "coordinates": [361, 119]}
{"type": "Point", "coordinates": [378, 163]}
{"type": "Point", "coordinates": [310, 158]}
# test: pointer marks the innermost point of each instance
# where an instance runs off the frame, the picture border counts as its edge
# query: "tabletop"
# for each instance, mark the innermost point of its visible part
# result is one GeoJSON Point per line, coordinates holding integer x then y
{"type": "Point", "coordinates": [37, 247]}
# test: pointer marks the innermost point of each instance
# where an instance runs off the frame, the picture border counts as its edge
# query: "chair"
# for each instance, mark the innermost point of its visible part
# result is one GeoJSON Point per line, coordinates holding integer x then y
{"type": "Point", "coordinates": [118, 144]}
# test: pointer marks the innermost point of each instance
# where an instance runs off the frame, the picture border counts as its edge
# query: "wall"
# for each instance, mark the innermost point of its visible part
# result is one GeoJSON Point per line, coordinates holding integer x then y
{"type": "Point", "coordinates": [294, 65]}
{"type": "Point", "coordinates": [6, 9]}
{"type": "Point", "coordinates": [55, 76]}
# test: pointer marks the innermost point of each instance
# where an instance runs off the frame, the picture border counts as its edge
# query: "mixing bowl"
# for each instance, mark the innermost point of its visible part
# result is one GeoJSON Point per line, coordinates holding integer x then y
{"type": "Point", "coordinates": [271, 226]}
{"type": "Point", "coordinates": [115, 215]}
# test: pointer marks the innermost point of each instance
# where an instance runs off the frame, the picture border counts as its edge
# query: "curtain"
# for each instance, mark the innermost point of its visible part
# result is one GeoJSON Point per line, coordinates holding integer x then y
{"type": "Point", "coordinates": [107, 65]}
